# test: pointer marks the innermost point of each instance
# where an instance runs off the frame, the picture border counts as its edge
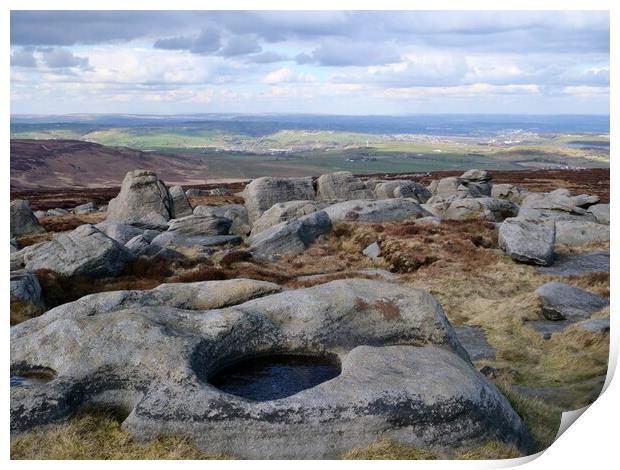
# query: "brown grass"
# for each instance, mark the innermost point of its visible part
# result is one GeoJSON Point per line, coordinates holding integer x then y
{"type": "Point", "coordinates": [204, 273]}
{"type": "Point", "coordinates": [98, 436]}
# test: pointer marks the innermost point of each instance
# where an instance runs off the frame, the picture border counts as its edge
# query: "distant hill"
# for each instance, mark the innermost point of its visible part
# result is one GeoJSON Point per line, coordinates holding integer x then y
{"type": "Point", "coordinates": [74, 163]}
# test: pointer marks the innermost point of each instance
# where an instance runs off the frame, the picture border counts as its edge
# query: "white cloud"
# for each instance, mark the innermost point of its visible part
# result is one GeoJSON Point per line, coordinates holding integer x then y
{"type": "Point", "coordinates": [286, 75]}
{"type": "Point", "coordinates": [476, 89]}
{"type": "Point", "coordinates": [587, 92]}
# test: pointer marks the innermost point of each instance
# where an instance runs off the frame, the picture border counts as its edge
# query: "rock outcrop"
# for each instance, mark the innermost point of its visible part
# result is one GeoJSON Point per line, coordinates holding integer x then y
{"type": "Point", "coordinates": [375, 211]}
{"type": "Point", "coordinates": [84, 251]}
{"type": "Point", "coordinates": [404, 375]}
{"type": "Point", "coordinates": [565, 302]}
{"type": "Point", "coordinates": [577, 232]}
{"type": "Point", "coordinates": [284, 211]}
{"type": "Point", "coordinates": [341, 186]}
{"type": "Point", "coordinates": [528, 241]}
{"type": "Point", "coordinates": [180, 203]}
{"type": "Point", "coordinates": [402, 188]}
{"type": "Point", "coordinates": [235, 212]}
{"type": "Point", "coordinates": [292, 236]}
{"type": "Point", "coordinates": [199, 225]}
{"type": "Point", "coordinates": [487, 208]}
{"type": "Point", "coordinates": [141, 193]}
{"type": "Point", "coordinates": [23, 221]}
{"type": "Point", "coordinates": [600, 213]}
{"type": "Point", "coordinates": [263, 193]}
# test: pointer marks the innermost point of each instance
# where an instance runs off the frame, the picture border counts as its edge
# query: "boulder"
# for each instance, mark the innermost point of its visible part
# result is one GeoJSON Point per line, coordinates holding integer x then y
{"type": "Point", "coordinates": [402, 188]}
{"type": "Point", "coordinates": [15, 246]}
{"type": "Point", "coordinates": [177, 239]}
{"type": "Point", "coordinates": [87, 208]}
{"type": "Point", "coordinates": [475, 175]}
{"type": "Point", "coordinates": [404, 375]}
{"type": "Point", "coordinates": [488, 208]}
{"type": "Point", "coordinates": [193, 192]}
{"type": "Point", "coordinates": [375, 211]}
{"type": "Point", "coordinates": [577, 264]}
{"type": "Point", "coordinates": [373, 251]}
{"type": "Point", "coordinates": [149, 234]}
{"type": "Point", "coordinates": [292, 236]}
{"type": "Point", "coordinates": [141, 193]}
{"type": "Point", "coordinates": [445, 187]}
{"type": "Point", "coordinates": [262, 193]}
{"type": "Point", "coordinates": [122, 233]}
{"type": "Point", "coordinates": [26, 290]}
{"type": "Point", "coordinates": [565, 302]}
{"type": "Point", "coordinates": [341, 185]}
{"type": "Point", "coordinates": [528, 241]}
{"type": "Point", "coordinates": [180, 203]}
{"type": "Point", "coordinates": [510, 192]}
{"type": "Point", "coordinates": [595, 325]}
{"type": "Point", "coordinates": [84, 251]}
{"type": "Point", "coordinates": [282, 212]}
{"type": "Point", "coordinates": [23, 221]}
{"type": "Point", "coordinates": [235, 212]}
{"type": "Point", "coordinates": [150, 221]}
{"type": "Point", "coordinates": [137, 245]}
{"type": "Point", "coordinates": [577, 232]}
{"type": "Point", "coordinates": [57, 211]}
{"type": "Point", "coordinates": [199, 225]}
{"type": "Point", "coordinates": [556, 205]}
{"type": "Point", "coordinates": [39, 214]}
{"type": "Point", "coordinates": [600, 213]}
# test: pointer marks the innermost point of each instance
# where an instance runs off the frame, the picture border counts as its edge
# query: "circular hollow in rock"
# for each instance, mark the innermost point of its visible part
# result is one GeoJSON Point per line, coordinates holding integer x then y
{"type": "Point", "coordinates": [31, 376]}
{"type": "Point", "coordinates": [266, 378]}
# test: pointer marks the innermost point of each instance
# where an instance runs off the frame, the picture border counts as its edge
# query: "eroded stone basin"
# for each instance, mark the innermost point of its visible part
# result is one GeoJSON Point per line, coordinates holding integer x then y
{"type": "Point", "coordinates": [34, 376]}
{"type": "Point", "coordinates": [266, 378]}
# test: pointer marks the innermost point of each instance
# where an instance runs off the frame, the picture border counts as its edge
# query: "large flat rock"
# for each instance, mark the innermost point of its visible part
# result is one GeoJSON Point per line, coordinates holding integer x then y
{"type": "Point", "coordinates": [577, 264]}
{"type": "Point", "coordinates": [404, 375]}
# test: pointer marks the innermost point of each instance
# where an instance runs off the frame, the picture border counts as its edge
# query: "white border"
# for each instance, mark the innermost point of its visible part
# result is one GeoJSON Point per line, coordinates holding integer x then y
{"type": "Point", "coordinates": [591, 443]}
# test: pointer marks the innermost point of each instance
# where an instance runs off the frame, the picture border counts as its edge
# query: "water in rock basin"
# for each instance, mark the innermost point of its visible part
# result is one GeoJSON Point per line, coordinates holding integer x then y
{"type": "Point", "coordinates": [33, 377]}
{"type": "Point", "coordinates": [273, 377]}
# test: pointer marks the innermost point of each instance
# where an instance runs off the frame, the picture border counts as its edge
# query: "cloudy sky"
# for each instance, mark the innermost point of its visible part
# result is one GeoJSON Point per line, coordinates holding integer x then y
{"type": "Point", "coordinates": [332, 62]}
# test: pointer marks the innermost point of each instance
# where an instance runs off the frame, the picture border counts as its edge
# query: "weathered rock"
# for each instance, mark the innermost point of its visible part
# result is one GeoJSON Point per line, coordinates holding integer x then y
{"type": "Point", "coordinates": [556, 205]}
{"type": "Point", "coordinates": [26, 290]}
{"type": "Point", "coordinates": [219, 192]}
{"type": "Point", "coordinates": [282, 212]}
{"type": "Point", "coordinates": [137, 245]}
{"type": "Point", "coordinates": [578, 264]}
{"type": "Point", "coordinates": [193, 192]}
{"type": "Point", "coordinates": [57, 211]}
{"type": "Point", "coordinates": [600, 212]}
{"type": "Point", "coordinates": [474, 340]}
{"type": "Point", "coordinates": [235, 212]}
{"type": "Point", "coordinates": [445, 187]}
{"type": "Point", "coordinates": [341, 185]}
{"type": "Point", "coordinates": [150, 221]}
{"type": "Point", "coordinates": [495, 210]}
{"type": "Point", "coordinates": [402, 188]}
{"type": "Point", "coordinates": [198, 225]}
{"type": "Point", "coordinates": [178, 239]}
{"type": "Point", "coordinates": [565, 302]}
{"type": "Point", "coordinates": [294, 235]}
{"type": "Point", "coordinates": [122, 233]}
{"type": "Point", "coordinates": [87, 208]}
{"type": "Point", "coordinates": [149, 234]}
{"type": "Point", "coordinates": [528, 241]}
{"type": "Point", "coordinates": [375, 211]}
{"type": "Point", "coordinates": [84, 251]}
{"type": "Point", "coordinates": [141, 193]}
{"type": "Point", "coordinates": [180, 203]}
{"type": "Point", "coordinates": [510, 192]}
{"type": "Point", "coordinates": [373, 251]}
{"type": "Point", "coordinates": [39, 214]}
{"type": "Point", "coordinates": [262, 193]}
{"type": "Point", "coordinates": [23, 221]}
{"type": "Point", "coordinates": [429, 220]}
{"type": "Point", "coordinates": [404, 375]}
{"type": "Point", "coordinates": [577, 232]}
{"type": "Point", "coordinates": [14, 245]}
{"type": "Point", "coordinates": [594, 325]}
{"type": "Point", "coordinates": [475, 175]}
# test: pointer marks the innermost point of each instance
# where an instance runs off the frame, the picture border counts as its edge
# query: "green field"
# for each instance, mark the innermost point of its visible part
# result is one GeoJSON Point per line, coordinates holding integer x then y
{"type": "Point", "coordinates": [303, 152]}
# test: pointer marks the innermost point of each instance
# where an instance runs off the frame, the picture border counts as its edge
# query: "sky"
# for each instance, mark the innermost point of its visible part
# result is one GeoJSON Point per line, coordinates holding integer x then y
{"type": "Point", "coordinates": [321, 62]}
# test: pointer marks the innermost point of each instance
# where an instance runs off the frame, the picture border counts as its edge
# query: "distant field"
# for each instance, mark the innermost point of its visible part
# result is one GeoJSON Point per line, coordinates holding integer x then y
{"type": "Point", "coordinates": [245, 152]}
